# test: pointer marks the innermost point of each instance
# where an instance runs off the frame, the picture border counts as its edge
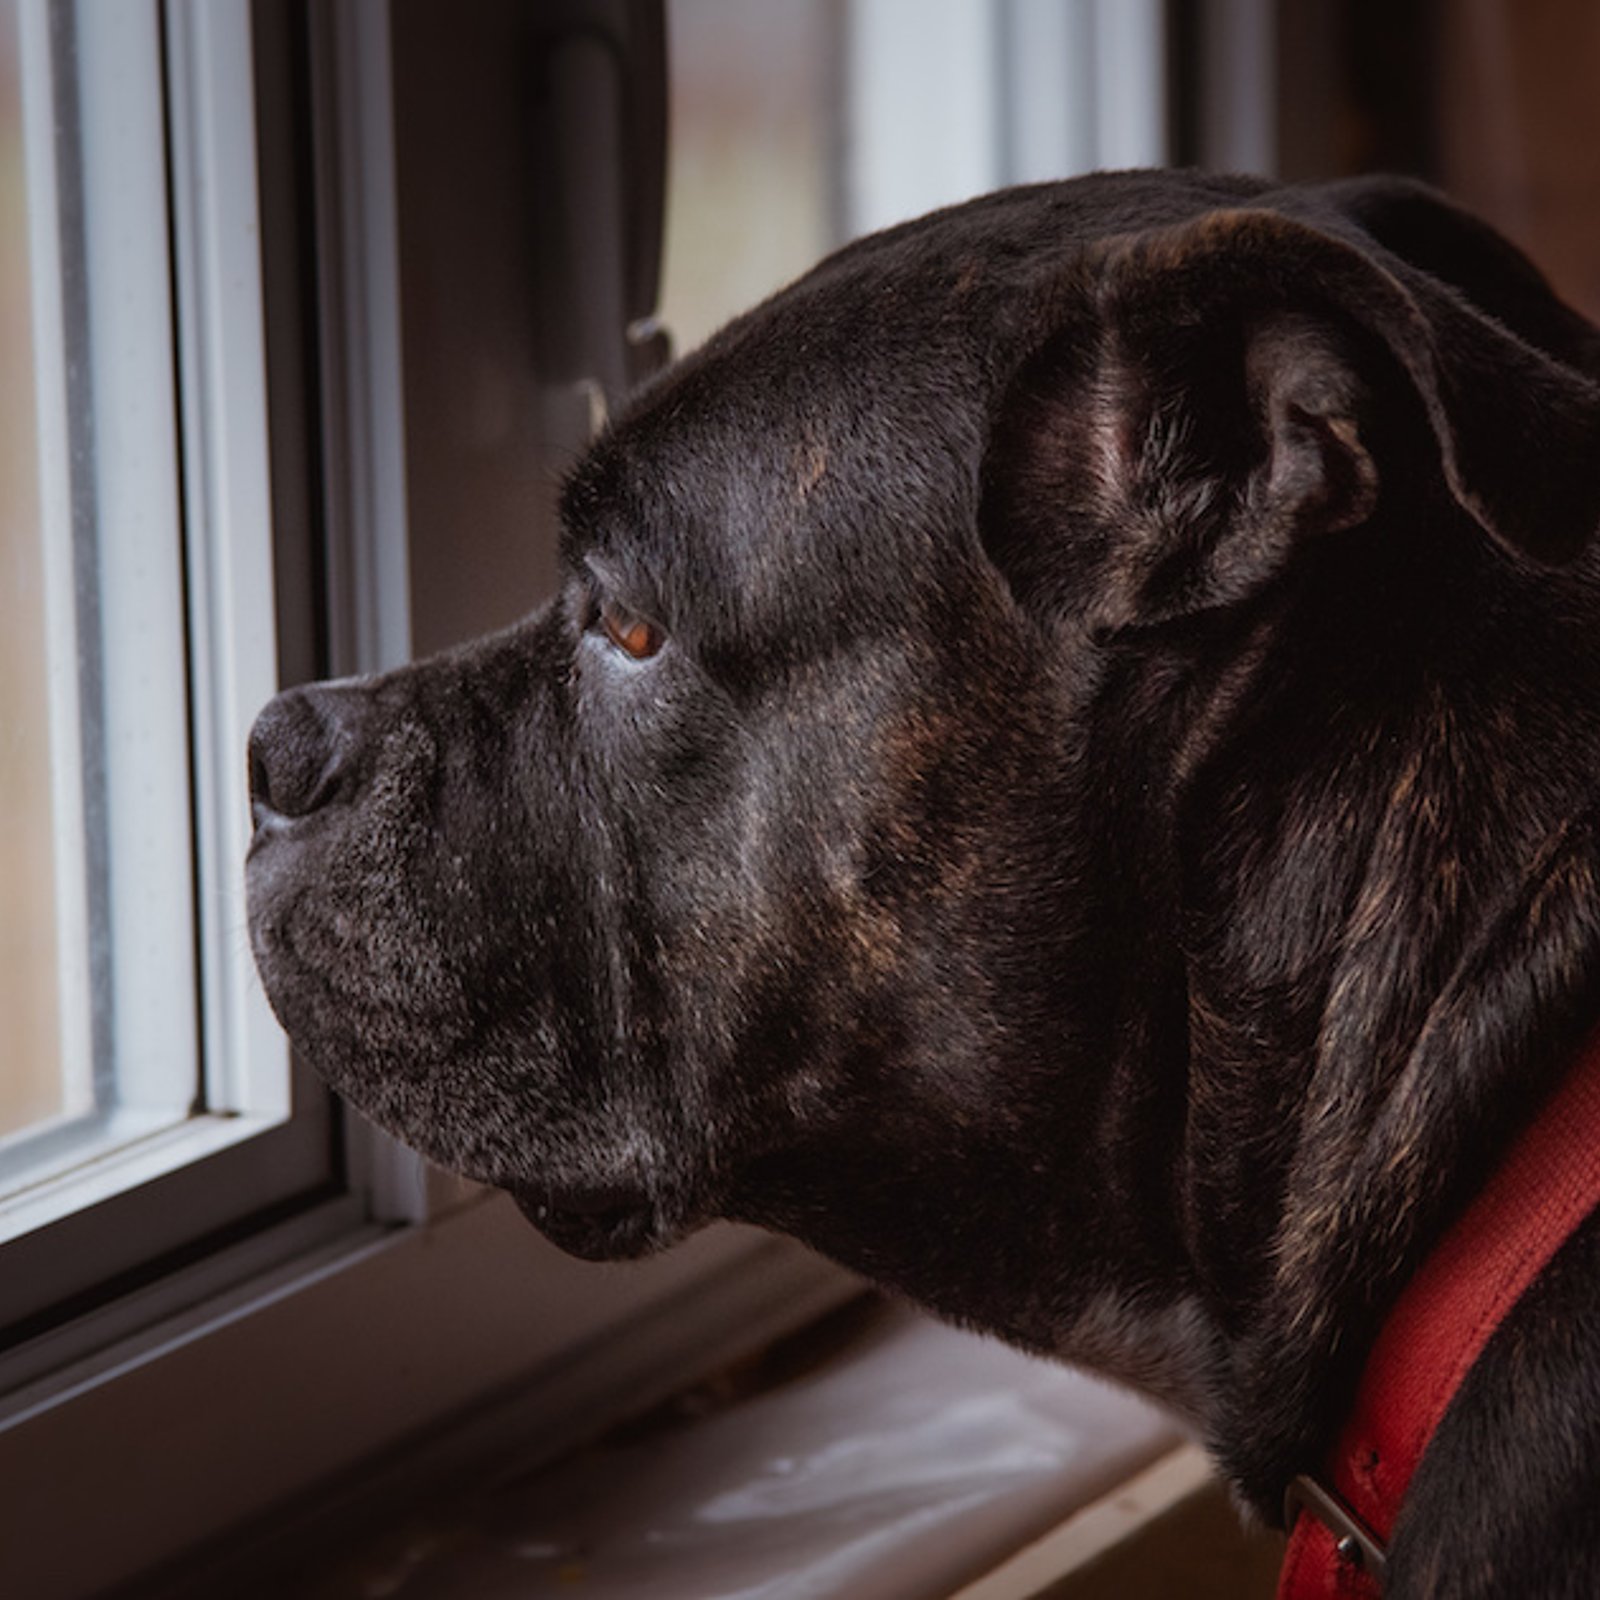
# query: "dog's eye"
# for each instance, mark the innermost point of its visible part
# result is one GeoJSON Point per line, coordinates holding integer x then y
{"type": "Point", "coordinates": [634, 635]}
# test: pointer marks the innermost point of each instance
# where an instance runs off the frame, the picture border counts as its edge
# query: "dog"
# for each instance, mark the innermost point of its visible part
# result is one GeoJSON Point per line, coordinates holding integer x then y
{"type": "Point", "coordinates": [1062, 774]}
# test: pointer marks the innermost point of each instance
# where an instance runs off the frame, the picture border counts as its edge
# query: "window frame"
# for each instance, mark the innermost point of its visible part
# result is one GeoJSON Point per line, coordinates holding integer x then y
{"type": "Point", "coordinates": [178, 405]}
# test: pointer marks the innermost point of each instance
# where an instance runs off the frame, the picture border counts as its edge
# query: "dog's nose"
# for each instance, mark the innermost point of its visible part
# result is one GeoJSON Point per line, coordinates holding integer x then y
{"type": "Point", "coordinates": [301, 749]}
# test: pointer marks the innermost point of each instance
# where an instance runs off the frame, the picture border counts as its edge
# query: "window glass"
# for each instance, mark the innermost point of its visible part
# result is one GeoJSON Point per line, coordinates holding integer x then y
{"type": "Point", "coordinates": [33, 1088]}
{"type": "Point", "coordinates": [138, 613]}
{"type": "Point", "coordinates": [751, 196]}
{"type": "Point", "coordinates": [798, 124]}
{"type": "Point", "coordinates": [96, 919]}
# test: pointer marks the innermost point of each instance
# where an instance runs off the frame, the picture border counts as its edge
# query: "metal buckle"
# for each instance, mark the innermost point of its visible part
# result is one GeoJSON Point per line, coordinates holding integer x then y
{"type": "Point", "coordinates": [1353, 1539]}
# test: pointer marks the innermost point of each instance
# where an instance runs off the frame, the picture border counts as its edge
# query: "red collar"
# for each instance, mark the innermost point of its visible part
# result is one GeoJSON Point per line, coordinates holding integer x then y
{"type": "Point", "coordinates": [1547, 1184]}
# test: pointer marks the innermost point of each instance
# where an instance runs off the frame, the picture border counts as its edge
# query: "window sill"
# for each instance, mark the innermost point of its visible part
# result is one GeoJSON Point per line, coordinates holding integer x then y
{"type": "Point", "coordinates": [878, 1455]}
{"type": "Point", "coordinates": [112, 1154]}
{"type": "Point", "coordinates": [1169, 1530]}
{"type": "Point", "coordinates": [310, 1390]}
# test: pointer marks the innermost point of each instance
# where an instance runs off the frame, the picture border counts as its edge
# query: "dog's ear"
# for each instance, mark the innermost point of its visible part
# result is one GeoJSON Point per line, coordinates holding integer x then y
{"type": "Point", "coordinates": [1428, 233]}
{"type": "Point", "coordinates": [1220, 392]}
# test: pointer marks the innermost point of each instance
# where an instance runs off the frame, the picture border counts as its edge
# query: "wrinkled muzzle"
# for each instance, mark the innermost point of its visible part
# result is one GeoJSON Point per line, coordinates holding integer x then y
{"type": "Point", "coordinates": [426, 914]}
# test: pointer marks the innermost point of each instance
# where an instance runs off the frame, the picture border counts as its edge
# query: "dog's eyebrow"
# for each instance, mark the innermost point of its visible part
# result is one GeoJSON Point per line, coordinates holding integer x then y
{"type": "Point", "coordinates": [624, 580]}
{"type": "Point", "coordinates": [605, 571]}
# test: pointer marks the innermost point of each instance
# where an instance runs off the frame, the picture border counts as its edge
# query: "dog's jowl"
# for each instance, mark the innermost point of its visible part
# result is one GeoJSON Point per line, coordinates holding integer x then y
{"type": "Point", "coordinates": [1063, 773]}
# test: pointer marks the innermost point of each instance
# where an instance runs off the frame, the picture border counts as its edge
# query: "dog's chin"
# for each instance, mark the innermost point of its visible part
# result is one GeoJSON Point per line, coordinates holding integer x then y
{"type": "Point", "coordinates": [600, 1224]}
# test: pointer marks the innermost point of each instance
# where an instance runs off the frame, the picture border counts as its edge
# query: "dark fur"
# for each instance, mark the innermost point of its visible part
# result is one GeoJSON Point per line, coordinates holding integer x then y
{"type": "Point", "coordinates": [1108, 849]}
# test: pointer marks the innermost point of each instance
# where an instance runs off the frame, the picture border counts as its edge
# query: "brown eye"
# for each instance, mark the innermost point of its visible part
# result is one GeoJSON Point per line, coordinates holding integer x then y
{"type": "Point", "coordinates": [634, 635]}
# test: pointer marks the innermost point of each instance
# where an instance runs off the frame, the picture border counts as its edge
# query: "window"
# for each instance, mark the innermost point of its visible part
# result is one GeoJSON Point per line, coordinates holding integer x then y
{"type": "Point", "coordinates": [93, 538]}
{"type": "Point", "coordinates": [798, 126]}
{"type": "Point", "coordinates": [33, 1089]}
{"type": "Point", "coordinates": [148, 1098]}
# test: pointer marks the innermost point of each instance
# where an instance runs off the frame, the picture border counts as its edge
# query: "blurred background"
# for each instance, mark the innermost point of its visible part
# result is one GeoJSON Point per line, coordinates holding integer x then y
{"type": "Point", "coordinates": [796, 124]}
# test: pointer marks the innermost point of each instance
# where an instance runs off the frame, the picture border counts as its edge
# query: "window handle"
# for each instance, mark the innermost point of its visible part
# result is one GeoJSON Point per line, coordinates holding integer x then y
{"type": "Point", "coordinates": [600, 148]}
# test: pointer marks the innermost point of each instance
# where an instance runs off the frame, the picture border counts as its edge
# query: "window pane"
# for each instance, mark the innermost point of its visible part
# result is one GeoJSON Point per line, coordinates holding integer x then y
{"type": "Point", "coordinates": [139, 592]}
{"type": "Point", "coordinates": [96, 918]}
{"type": "Point", "coordinates": [797, 124]}
{"type": "Point", "coordinates": [137, 622]}
{"type": "Point", "coordinates": [32, 1085]}
{"type": "Point", "coordinates": [751, 198]}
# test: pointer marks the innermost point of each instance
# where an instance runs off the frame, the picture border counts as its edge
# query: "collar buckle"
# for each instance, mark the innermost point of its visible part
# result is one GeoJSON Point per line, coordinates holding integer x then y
{"type": "Point", "coordinates": [1353, 1539]}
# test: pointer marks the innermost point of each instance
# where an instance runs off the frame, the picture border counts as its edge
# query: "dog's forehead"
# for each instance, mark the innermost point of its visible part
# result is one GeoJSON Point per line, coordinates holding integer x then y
{"type": "Point", "coordinates": [808, 425]}
{"type": "Point", "coordinates": [785, 470]}
{"type": "Point", "coordinates": [851, 407]}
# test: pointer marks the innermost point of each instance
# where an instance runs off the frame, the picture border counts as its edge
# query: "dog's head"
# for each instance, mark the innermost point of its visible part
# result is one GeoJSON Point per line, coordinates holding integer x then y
{"type": "Point", "coordinates": [837, 849]}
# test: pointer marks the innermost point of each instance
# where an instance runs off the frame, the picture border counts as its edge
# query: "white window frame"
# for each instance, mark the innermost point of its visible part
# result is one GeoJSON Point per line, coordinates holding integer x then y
{"type": "Point", "coordinates": [152, 1177]}
{"type": "Point", "coordinates": [94, 147]}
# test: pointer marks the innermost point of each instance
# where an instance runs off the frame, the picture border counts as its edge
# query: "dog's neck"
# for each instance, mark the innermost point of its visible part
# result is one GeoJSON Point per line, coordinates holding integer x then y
{"type": "Point", "coordinates": [1301, 1057]}
{"type": "Point", "coordinates": [1379, 1012]}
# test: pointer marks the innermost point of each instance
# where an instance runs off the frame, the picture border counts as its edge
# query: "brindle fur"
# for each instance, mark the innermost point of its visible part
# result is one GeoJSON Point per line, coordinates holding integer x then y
{"type": "Point", "coordinates": [1108, 848]}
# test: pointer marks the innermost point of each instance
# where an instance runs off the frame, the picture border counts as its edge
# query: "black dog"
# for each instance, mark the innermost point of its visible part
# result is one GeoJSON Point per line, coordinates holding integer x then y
{"type": "Point", "coordinates": [1063, 774]}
